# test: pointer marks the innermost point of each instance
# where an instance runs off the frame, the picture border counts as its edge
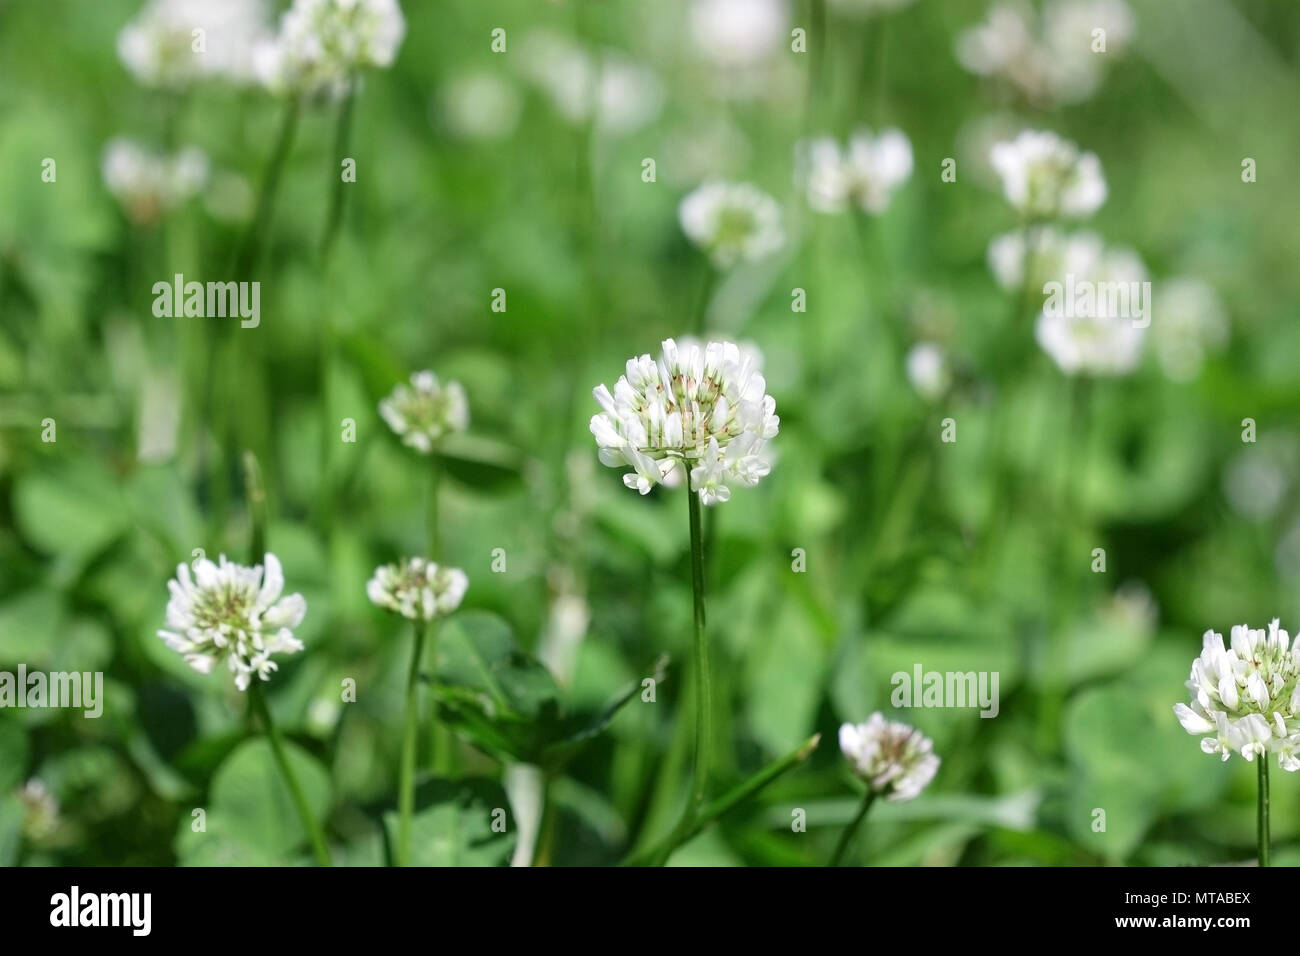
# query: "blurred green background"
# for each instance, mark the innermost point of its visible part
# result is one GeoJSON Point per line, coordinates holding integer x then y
{"type": "Point", "coordinates": [472, 176]}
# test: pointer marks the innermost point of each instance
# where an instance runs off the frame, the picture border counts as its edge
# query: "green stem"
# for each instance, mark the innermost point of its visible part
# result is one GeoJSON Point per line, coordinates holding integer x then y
{"type": "Point", "coordinates": [1262, 816]}
{"type": "Point", "coordinates": [318, 846]}
{"type": "Point", "coordinates": [706, 294]}
{"type": "Point", "coordinates": [406, 783]}
{"type": "Point", "coordinates": [251, 246]}
{"type": "Point", "coordinates": [341, 135]}
{"type": "Point", "coordinates": [703, 680]}
{"type": "Point", "coordinates": [255, 492]}
{"type": "Point", "coordinates": [431, 504]}
{"type": "Point", "coordinates": [847, 836]}
{"type": "Point", "coordinates": [727, 802]}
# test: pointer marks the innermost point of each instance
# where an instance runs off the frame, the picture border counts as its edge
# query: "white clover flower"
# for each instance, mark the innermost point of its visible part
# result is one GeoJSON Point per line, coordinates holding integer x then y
{"type": "Point", "coordinates": [1087, 335]}
{"type": "Point", "coordinates": [894, 759]}
{"type": "Point", "coordinates": [173, 43]}
{"type": "Point", "coordinates": [418, 589]}
{"type": "Point", "coordinates": [323, 43]}
{"type": "Point", "coordinates": [426, 411]}
{"type": "Point", "coordinates": [1050, 59]}
{"type": "Point", "coordinates": [736, 34]}
{"type": "Point", "coordinates": [479, 106]}
{"type": "Point", "coordinates": [927, 370]}
{"type": "Point", "coordinates": [866, 174]}
{"type": "Point", "coordinates": [1189, 321]}
{"type": "Point", "coordinates": [699, 409]}
{"type": "Point", "coordinates": [41, 809]}
{"type": "Point", "coordinates": [616, 94]}
{"type": "Point", "coordinates": [231, 613]}
{"type": "Point", "coordinates": [1245, 695]}
{"type": "Point", "coordinates": [149, 184]}
{"type": "Point", "coordinates": [732, 222]}
{"type": "Point", "coordinates": [1044, 175]}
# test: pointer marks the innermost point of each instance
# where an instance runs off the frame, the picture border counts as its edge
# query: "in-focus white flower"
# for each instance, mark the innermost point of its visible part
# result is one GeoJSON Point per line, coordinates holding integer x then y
{"type": "Point", "coordinates": [1188, 322]}
{"type": "Point", "coordinates": [322, 44]}
{"type": "Point", "coordinates": [418, 589]}
{"type": "Point", "coordinates": [732, 222]}
{"type": "Point", "coordinates": [894, 759]}
{"type": "Point", "coordinates": [1245, 695]}
{"type": "Point", "coordinates": [864, 8]}
{"type": "Point", "coordinates": [426, 411]}
{"type": "Point", "coordinates": [173, 43]}
{"type": "Point", "coordinates": [233, 614]}
{"type": "Point", "coordinates": [866, 174]}
{"type": "Point", "coordinates": [149, 184]}
{"type": "Point", "coordinates": [479, 106]}
{"type": "Point", "coordinates": [703, 410]}
{"type": "Point", "coordinates": [1044, 175]}
{"type": "Point", "coordinates": [927, 369]}
{"type": "Point", "coordinates": [1100, 334]}
{"type": "Point", "coordinates": [1050, 59]}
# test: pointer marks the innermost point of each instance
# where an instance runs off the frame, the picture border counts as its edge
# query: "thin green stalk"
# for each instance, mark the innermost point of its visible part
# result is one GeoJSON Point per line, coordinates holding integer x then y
{"type": "Point", "coordinates": [706, 293]}
{"type": "Point", "coordinates": [318, 846]}
{"type": "Point", "coordinates": [431, 506]}
{"type": "Point", "coordinates": [406, 783]}
{"type": "Point", "coordinates": [726, 803]}
{"type": "Point", "coordinates": [255, 492]}
{"type": "Point", "coordinates": [1262, 814]}
{"type": "Point", "coordinates": [341, 136]}
{"type": "Point", "coordinates": [252, 243]}
{"type": "Point", "coordinates": [703, 680]}
{"type": "Point", "coordinates": [847, 836]}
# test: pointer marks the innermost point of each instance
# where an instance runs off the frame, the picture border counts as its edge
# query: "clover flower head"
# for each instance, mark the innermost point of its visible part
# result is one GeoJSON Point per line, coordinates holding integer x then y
{"type": "Point", "coordinates": [149, 184]}
{"type": "Point", "coordinates": [173, 43]}
{"type": "Point", "coordinates": [1190, 324]}
{"type": "Point", "coordinates": [895, 760]}
{"type": "Point", "coordinates": [616, 94]}
{"type": "Point", "coordinates": [701, 409]}
{"type": "Point", "coordinates": [732, 222]}
{"type": "Point", "coordinates": [1044, 175]}
{"type": "Point", "coordinates": [1245, 695]}
{"type": "Point", "coordinates": [1096, 333]}
{"type": "Point", "coordinates": [865, 174]}
{"type": "Point", "coordinates": [426, 411]}
{"type": "Point", "coordinates": [323, 43]}
{"type": "Point", "coordinates": [737, 34]}
{"type": "Point", "coordinates": [417, 589]}
{"type": "Point", "coordinates": [233, 614]}
{"type": "Point", "coordinates": [927, 370]}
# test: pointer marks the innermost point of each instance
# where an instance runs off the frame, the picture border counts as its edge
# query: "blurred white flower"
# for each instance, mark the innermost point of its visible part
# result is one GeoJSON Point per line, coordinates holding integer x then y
{"type": "Point", "coordinates": [479, 106]}
{"type": "Point", "coordinates": [233, 614]}
{"type": "Point", "coordinates": [417, 589]}
{"type": "Point", "coordinates": [700, 409]}
{"type": "Point", "coordinates": [148, 183]}
{"type": "Point", "coordinates": [1132, 608]}
{"type": "Point", "coordinates": [1188, 321]}
{"type": "Point", "coordinates": [616, 94]}
{"type": "Point", "coordinates": [1258, 477]}
{"type": "Point", "coordinates": [1044, 175]}
{"type": "Point", "coordinates": [894, 759]}
{"type": "Point", "coordinates": [866, 174]}
{"type": "Point", "coordinates": [229, 198]}
{"type": "Point", "coordinates": [322, 44]}
{"type": "Point", "coordinates": [732, 222]}
{"type": "Point", "coordinates": [1245, 695]}
{"type": "Point", "coordinates": [41, 809]}
{"type": "Point", "coordinates": [173, 43]}
{"type": "Point", "coordinates": [426, 411]}
{"type": "Point", "coordinates": [927, 370]}
{"type": "Point", "coordinates": [1049, 59]}
{"type": "Point", "coordinates": [1096, 344]}
{"type": "Point", "coordinates": [737, 33]}
{"type": "Point", "coordinates": [863, 8]}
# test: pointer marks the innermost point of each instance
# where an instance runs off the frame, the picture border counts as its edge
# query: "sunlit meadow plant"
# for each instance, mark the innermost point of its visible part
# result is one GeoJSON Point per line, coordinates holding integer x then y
{"type": "Point", "coordinates": [234, 617]}
{"type": "Point", "coordinates": [703, 412]}
{"type": "Point", "coordinates": [863, 175]}
{"type": "Point", "coordinates": [895, 760]}
{"type": "Point", "coordinates": [1246, 701]}
{"type": "Point", "coordinates": [730, 223]}
{"type": "Point", "coordinates": [420, 591]}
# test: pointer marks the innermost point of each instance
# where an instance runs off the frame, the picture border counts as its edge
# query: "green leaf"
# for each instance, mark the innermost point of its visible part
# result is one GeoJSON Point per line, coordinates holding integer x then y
{"type": "Point", "coordinates": [251, 803]}
{"type": "Point", "coordinates": [72, 510]}
{"type": "Point", "coordinates": [458, 823]}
